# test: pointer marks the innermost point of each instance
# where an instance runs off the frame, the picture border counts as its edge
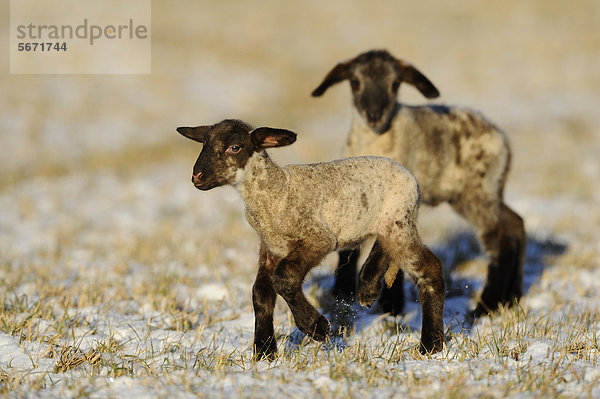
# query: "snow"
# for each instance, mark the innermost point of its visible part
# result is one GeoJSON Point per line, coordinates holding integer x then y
{"type": "Point", "coordinates": [92, 237]}
{"type": "Point", "coordinates": [212, 292]}
{"type": "Point", "coordinates": [12, 355]}
{"type": "Point", "coordinates": [119, 279]}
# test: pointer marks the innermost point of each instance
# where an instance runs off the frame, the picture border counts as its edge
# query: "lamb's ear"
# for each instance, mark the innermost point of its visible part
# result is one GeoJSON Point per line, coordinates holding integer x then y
{"type": "Point", "coordinates": [268, 137]}
{"type": "Point", "coordinates": [197, 133]}
{"type": "Point", "coordinates": [339, 73]}
{"type": "Point", "coordinates": [413, 76]}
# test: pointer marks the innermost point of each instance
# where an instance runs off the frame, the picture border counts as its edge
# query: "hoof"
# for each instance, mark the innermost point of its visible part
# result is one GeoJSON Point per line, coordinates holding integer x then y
{"type": "Point", "coordinates": [367, 295]}
{"type": "Point", "coordinates": [265, 349]}
{"type": "Point", "coordinates": [431, 347]}
{"type": "Point", "coordinates": [482, 310]}
{"type": "Point", "coordinates": [321, 329]}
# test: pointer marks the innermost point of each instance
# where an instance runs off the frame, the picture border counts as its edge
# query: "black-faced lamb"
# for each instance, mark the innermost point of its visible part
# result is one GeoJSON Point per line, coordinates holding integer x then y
{"type": "Point", "coordinates": [303, 212]}
{"type": "Point", "coordinates": [456, 155]}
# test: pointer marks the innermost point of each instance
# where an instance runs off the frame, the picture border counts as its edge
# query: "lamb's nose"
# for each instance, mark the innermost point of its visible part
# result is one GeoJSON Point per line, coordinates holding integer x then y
{"type": "Point", "coordinates": [373, 115]}
{"type": "Point", "coordinates": [196, 177]}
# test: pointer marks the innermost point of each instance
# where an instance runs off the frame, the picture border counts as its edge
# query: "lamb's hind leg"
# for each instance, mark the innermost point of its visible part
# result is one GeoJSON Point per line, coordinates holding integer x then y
{"type": "Point", "coordinates": [409, 254]}
{"type": "Point", "coordinates": [423, 266]}
{"type": "Point", "coordinates": [505, 245]}
{"type": "Point", "coordinates": [287, 281]}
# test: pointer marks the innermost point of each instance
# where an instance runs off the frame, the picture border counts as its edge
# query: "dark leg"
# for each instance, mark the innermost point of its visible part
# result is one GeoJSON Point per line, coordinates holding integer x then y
{"type": "Point", "coordinates": [371, 275]}
{"type": "Point", "coordinates": [344, 289]}
{"type": "Point", "coordinates": [431, 295]}
{"type": "Point", "coordinates": [407, 252]}
{"type": "Point", "coordinates": [287, 281]}
{"type": "Point", "coordinates": [506, 245]}
{"type": "Point", "coordinates": [263, 301]}
{"type": "Point", "coordinates": [515, 247]}
{"type": "Point", "coordinates": [392, 298]}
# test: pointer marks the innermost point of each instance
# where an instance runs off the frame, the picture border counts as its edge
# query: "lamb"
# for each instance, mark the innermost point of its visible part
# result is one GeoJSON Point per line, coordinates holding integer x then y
{"type": "Point", "coordinates": [456, 155]}
{"type": "Point", "coordinates": [303, 212]}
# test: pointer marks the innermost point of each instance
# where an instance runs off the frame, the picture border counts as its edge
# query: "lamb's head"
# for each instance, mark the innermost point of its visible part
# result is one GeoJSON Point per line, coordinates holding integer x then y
{"type": "Point", "coordinates": [227, 147]}
{"type": "Point", "coordinates": [375, 77]}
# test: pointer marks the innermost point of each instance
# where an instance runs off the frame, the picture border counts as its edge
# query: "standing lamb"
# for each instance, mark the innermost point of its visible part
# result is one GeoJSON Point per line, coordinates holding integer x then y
{"type": "Point", "coordinates": [304, 212]}
{"type": "Point", "coordinates": [456, 155]}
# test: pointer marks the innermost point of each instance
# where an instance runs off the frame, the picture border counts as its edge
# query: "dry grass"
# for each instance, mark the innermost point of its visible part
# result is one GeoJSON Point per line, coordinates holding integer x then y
{"type": "Point", "coordinates": [88, 311]}
{"type": "Point", "coordinates": [118, 278]}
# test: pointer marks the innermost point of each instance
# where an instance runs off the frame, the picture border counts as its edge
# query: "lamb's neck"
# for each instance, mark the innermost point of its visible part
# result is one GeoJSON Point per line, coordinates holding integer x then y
{"type": "Point", "coordinates": [260, 176]}
{"type": "Point", "coordinates": [360, 137]}
{"type": "Point", "coordinates": [359, 123]}
{"type": "Point", "coordinates": [363, 140]}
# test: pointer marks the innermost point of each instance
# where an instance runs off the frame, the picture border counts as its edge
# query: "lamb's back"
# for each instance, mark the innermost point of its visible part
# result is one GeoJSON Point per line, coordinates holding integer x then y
{"type": "Point", "coordinates": [352, 197]}
{"type": "Point", "coordinates": [446, 148]}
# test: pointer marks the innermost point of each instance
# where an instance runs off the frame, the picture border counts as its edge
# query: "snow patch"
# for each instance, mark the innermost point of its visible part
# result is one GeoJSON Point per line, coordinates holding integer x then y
{"type": "Point", "coordinates": [212, 292]}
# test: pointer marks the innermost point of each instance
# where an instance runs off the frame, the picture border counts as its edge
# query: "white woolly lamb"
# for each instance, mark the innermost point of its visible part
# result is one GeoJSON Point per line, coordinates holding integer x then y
{"type": "Point", "coordinates": [456, 155]}
{"type": "Point", "coordinates": [304, 212]}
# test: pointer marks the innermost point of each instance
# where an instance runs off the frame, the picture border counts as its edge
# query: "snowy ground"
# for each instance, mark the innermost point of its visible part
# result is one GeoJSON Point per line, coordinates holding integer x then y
{"type": "Point", "coordinates": [119, 279]}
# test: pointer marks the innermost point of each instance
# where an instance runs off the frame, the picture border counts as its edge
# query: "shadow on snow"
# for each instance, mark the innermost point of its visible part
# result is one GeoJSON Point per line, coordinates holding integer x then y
{"type": "Point", "coordinates": [460, 290]}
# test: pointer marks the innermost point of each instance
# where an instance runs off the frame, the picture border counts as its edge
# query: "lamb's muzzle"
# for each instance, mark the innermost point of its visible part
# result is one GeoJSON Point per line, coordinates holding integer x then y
{"type": "Point", "coordinates": [196, 178]}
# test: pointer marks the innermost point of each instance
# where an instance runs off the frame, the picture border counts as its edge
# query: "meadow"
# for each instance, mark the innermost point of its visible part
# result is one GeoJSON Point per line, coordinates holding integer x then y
{"type": "Point", "coordinates": [119, 279]}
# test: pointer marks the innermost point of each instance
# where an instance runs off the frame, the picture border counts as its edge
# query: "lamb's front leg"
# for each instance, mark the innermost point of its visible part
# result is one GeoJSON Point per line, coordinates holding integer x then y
{"type": "Point", "coordinates": [287, 281]}
{"type": "Point", "coordinates": [263, 301]}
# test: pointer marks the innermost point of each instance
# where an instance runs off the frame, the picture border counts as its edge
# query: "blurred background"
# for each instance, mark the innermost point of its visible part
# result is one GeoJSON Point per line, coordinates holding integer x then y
{"type": "Point", "coordinates": [531, 67]}
{"type": "Point", "coordinates": [103, 238]}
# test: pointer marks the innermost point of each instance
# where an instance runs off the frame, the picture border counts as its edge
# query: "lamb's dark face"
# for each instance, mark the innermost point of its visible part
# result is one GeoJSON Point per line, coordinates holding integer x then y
{"type": "Point", "coordinates": [375, 77]}
{"type": "Point", "coordinates": [226, 150]}
{"type": "Point", "coordinates": [374, 83]}
{"type": "Point", "coordinates": [227, 147]}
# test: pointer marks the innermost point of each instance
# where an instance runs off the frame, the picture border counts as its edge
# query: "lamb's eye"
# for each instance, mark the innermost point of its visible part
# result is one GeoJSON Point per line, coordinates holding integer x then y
{"type": "Point", "coordinates": [396, 84]}
{"type": "Point", "coordinates": [233, 149]}
{"type": "Point", "coordinates": [354, 83]}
